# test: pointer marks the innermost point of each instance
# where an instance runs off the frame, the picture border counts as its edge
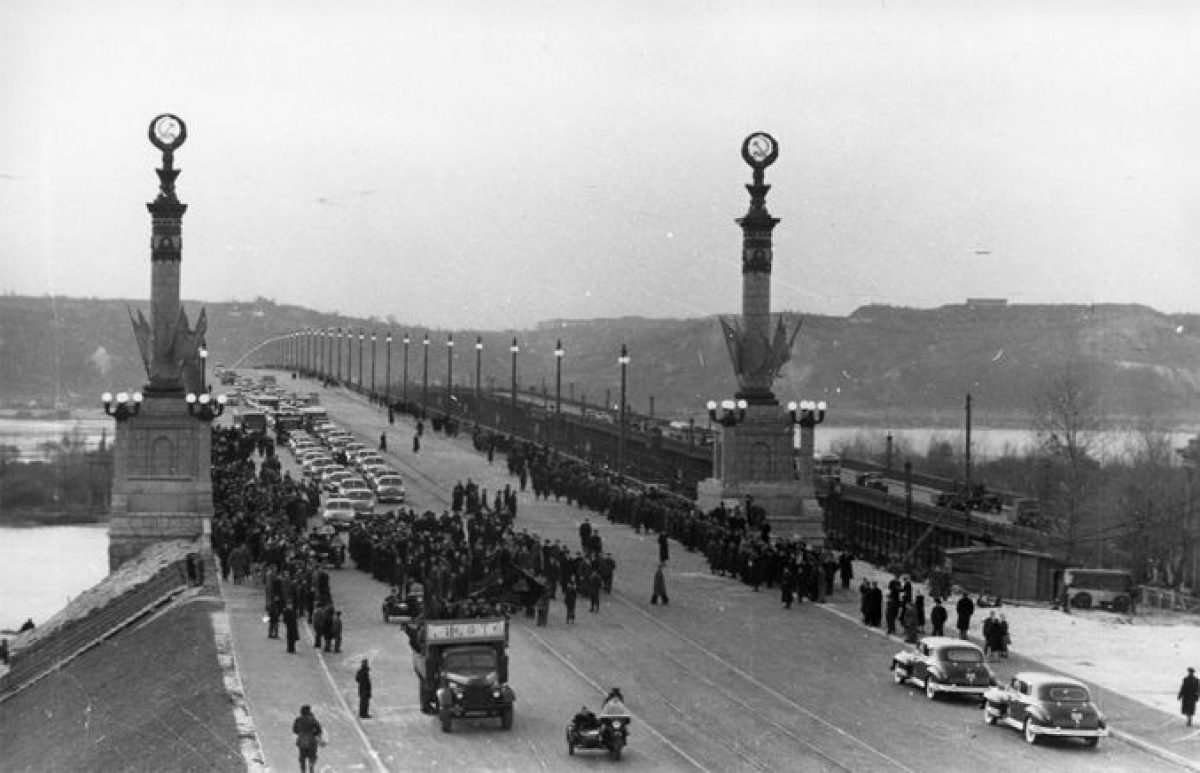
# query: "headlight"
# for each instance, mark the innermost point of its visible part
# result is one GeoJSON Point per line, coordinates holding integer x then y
{"type": "Point", "coordinates": [616, 724]}
{"type": "Point", "coordinates": [495, 693]}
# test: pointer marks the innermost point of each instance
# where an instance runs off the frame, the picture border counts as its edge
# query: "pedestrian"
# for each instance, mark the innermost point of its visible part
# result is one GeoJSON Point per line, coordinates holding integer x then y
{"type": "Point", "coordinates": [334, 636]}
{"type": "Point", "coordinates": [1189, 692]}
{"type": "Point", "coordinates": [308, 738]}
{"type": "Point", "coordinates": [592, 587]}
{"type": "Point", "coordinates": [274, 609]}
{"type": "Point", "coordinates": [543, 609]}
{"type": "Point", "coordinates": [991, 634]}
{"type": "Point", "coordinates": [664, 548]}
{"type": "Point", "coordinates": [937, 618]}
{"type": "Point", "coordinates": [291, 626]}
{"type": "Point", "coordinates": [660, 586]}
{"type": "Point", "coordinates": [909, 621]}
{"type": "Point", "coordinates": [3, 652]}
{"type": "Point", "coordinates": [383, 441]}
{"type": "Point", "coordinates": [965, 608]}
{"type": "Point", "coordinates": [569, 594]}
{"type": "Point", "coordinates": [1002, 639]}
{"type": "Point", "coordinates": [417, 443]}
{"type": "Point", "coordinates": [363, 677]}
{"type": "Point", "coordinates": [320, 624]}
{"type": "Point", "coordinates": [846, 569]}
{"type": "Point", "coordinates": [891, 613]}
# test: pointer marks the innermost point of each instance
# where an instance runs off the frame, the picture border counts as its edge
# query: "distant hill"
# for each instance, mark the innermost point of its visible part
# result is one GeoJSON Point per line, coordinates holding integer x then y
{"type": "Point", "coordinates": [881, 364]}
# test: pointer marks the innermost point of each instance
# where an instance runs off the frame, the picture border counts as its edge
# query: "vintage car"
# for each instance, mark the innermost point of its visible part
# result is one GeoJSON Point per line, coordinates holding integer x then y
{"type": "Point", "coordinates": [404, 605]}
{"type": "Point", "coordinates": [327, 546]}
{"type": "Point", "coordinates": [942, 664]}
{"type": "Point", "coordinates": [338, 511]}
{"type": "Point", "coordinates": [1041, 704]}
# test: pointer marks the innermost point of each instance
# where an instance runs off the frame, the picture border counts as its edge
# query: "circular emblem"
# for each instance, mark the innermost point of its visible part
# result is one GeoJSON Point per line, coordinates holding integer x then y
{"type": "Point", "coordinates": [760, 150]}
{"type": "Point", "coordinates": [167, 132]}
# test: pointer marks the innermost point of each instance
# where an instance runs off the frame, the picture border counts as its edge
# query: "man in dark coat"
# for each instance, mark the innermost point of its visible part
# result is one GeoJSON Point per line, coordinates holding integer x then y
{"type": "Point", "coordinates": [937, 618]}
{"type": "Point", "coordinates": [876, 605]}
{"type": "Point", "coordinates": [846, 569]}
{"type": "Point", "coordinates": [308, 738]}
{"type": "Point", "coordinates": [292, 626]}
{"type": "Point", "coordinates": [660, 586]}
{"type": "Point", "coordinates": [664, 548]}
{"type": "Point", "coordinates": [965, 608]}
{"type": "Point", "coordinates": [363, 677]}
{"type": "Point", "coordinates": [569, 594]}
{"type": "Point", "coordinates": [1189, 692]}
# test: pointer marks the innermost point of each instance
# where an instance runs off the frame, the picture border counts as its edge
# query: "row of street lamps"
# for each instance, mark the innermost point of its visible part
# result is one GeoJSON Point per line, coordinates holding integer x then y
{"type": "Point", "coordinates": [315, 351]}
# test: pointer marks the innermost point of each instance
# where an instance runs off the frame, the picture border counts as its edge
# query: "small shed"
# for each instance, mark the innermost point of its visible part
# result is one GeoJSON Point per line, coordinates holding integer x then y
{"type": "Point", "coordinates": [1009, 573]}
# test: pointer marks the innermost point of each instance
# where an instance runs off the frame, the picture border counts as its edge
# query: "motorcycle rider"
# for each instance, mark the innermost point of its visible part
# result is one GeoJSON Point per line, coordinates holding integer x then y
{"type": "Point", "coordinates": [614, 703]}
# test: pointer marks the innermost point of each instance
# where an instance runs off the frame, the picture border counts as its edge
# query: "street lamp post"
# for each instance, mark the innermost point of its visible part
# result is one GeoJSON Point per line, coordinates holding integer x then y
{"type": "Point", "coordinates": [623, 360]}
{"type": "Point", "coordinates": [362, 337]}
{"type": "Point", "coordinates": [478, 371]}
{"type": "Point", "coordinates": [372, 366]}
{"type": "Point", "coordinates": [425, 376]}
{"type": "Point", "coordinates": [387, 375]}
{"type": "Point", "coordinates": [340, 336]}
{"type": "Point", "coordinates": [404, 392]}
{"type": "Point", "coordinates": [558, 358]}
{"type": "Point", "coordinates": [808, 414]}
{"type": "Point", "coordinates": [512, 397]}
{"type": "Point", "coordinates": [203, 368]}
{"type": "Point", "coordinates": [449, 371]}
{"type": "Point", "coordinates": [328, 354]}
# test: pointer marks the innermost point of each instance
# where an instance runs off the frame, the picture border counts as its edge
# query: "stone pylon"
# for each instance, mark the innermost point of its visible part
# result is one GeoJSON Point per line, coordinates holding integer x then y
{"type": "Point", "coordinates": [755, 454]}
{"type": "Point", "coordinates": [162, 484]}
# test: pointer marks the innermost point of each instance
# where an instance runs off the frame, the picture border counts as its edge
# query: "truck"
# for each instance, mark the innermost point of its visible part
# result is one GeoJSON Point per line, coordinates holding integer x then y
{"type": "Point", "coordinates": [462, 669]}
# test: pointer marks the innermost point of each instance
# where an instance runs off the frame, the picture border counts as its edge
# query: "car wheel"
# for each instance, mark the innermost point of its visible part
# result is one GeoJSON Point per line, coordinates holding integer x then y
{"type": "Point", "coordinates": [506, 718]}
{"type": "Point", "coordinates": [989, 716]}
{"type": "Point", "coordinates": [615, 749]}
{"type": "Point", "coordinates": [447, 722]}
{"type": "Point", "coordinates": [1030, 736]}
{"type": "Point", "coordinates": [1082, 601]}
{"type": "Point", "coordinates": [930, 690]}
{"type": "Point", "coordinates": [1120, 604]}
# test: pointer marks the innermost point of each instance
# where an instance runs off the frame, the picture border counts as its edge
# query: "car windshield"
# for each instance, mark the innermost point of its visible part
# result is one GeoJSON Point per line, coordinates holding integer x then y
{"type": "Point", "coordinates": [356, 493]}
{"type": "Point", "coordinates": [961, 655]}
{"type": "Point", "coordinates": [1065, 693]}
{"type": "Point", "coordinates": [390, 480]}
{"type": "Point", "coordinates": [472, 661]}
{"type": "Point", "coordinates": [339, 504]}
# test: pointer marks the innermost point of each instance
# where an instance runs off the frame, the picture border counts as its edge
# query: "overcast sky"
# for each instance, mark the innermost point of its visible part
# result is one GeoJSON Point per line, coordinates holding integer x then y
{"type": "Point", "coordinates": [492, 164]}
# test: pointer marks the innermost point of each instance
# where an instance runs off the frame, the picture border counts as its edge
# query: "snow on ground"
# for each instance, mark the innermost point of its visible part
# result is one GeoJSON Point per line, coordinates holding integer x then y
{"type": "Point", "coordinates": [1143, 657]}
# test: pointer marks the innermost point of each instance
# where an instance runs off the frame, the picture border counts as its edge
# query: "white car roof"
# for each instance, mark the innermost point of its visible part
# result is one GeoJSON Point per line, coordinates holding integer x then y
{"type": "Point", "coordinates": [1041, 678]}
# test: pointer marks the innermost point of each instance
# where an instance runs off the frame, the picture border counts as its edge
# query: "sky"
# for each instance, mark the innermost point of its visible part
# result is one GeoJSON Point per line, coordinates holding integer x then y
{"type": "Point", "coordinates": [487, 165]}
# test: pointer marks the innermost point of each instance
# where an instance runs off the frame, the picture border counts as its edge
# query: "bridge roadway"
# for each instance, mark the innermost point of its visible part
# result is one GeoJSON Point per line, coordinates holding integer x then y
{"type": "Point", "coordinates": [723, 679]}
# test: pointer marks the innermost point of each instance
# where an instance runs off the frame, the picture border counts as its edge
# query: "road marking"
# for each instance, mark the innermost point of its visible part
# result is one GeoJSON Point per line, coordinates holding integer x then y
{"type": "Point", "coordinates": [546, 646]}
{"type": "Point", "coordinates": [362, 736]}
{"type": "Point", "coordinates": [765, 687]}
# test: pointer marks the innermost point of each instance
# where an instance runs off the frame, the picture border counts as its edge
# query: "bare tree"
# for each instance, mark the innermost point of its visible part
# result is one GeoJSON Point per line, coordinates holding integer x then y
{"type": "Point", "coordinates": [1068, 417]}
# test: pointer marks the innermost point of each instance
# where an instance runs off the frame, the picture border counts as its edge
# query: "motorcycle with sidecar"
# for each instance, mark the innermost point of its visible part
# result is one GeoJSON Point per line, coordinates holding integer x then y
{"type": "Point", "coordinates": [610, 731]}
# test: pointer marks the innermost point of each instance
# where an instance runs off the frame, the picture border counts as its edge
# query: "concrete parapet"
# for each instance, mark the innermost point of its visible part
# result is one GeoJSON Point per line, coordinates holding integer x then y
{"type": "Point", "coordinates": [141, 584]}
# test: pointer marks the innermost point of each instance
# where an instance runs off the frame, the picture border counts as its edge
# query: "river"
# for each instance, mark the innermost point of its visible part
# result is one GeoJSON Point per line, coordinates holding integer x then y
{"type": "Point", "coordinates": [44, 567]}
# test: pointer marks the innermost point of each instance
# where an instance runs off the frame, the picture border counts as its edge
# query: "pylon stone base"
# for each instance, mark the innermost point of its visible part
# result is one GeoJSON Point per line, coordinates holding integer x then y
{"type": "Point", "coordinates": [162, 484]}
{"type": "Point", "coordinates": [793, 512]}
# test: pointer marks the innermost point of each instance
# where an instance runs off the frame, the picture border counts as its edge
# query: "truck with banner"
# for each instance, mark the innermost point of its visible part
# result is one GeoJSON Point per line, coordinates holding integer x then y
{"type": "Point", "coordinates": [462, 669]}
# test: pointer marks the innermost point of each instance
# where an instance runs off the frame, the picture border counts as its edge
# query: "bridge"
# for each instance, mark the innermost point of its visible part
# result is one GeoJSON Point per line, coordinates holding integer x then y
{"type": "Point", "coordinates": [888, 527]}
